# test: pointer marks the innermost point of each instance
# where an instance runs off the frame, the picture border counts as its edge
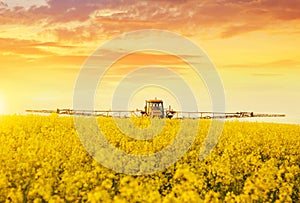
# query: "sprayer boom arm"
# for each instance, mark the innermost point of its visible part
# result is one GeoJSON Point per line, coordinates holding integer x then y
{"type": "Point", "coordinates": [169, 113]}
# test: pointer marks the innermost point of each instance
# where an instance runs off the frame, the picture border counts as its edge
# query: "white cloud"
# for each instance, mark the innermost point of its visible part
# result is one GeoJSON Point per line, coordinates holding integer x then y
{"type": "Point", "coordinates": [24, 3]}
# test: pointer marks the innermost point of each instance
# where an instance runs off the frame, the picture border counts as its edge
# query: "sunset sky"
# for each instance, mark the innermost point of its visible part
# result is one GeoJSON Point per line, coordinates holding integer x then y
{"type": "Point", "coordinates": [254, 45]}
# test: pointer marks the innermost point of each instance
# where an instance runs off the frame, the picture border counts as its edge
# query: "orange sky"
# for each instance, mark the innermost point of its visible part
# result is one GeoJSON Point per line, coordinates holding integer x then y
{"type": "Point", "coordinates": [253, 43]}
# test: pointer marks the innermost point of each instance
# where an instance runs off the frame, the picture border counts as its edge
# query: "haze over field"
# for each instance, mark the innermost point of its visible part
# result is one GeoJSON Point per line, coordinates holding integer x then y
{"type": "Point", "coordinates": [253, 44]}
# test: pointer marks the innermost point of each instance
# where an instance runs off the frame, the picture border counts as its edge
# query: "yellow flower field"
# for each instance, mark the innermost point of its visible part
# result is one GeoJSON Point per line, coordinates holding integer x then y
{"type": "Point", "coordinates": [42, 159]}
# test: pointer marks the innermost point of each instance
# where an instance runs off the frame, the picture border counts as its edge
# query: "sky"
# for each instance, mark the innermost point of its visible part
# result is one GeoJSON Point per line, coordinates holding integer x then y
{"type": "Point", "coordinates": [254, 45]}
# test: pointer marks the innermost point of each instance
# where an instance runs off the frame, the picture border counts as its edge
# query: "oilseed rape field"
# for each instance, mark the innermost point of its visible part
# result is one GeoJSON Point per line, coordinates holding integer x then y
{"type": "Point", "coordinates": [43, 160]}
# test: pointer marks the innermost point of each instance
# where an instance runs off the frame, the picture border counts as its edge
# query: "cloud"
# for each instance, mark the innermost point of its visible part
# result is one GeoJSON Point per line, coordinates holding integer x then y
{"type": "Point", "coordinates": [3, 4]}
{"type": "Point", "coordinates": [283, 63]}
{"type": "Point", "coordinates": [29, 47]}
{"type": "Point", "coordinates": [51, 44]}
{"type": "Point", "coordinates": [239, 29]}
{"type": "Point", "coordinates": [82, 21]}
{"type": "Point", "coordinates": [65, 11]}
{"type": "Point", "coordinates": [78, 34]}
{"type": "Point", "coordinates": [272, 64]}
{"type": "Point", "coordinates": [267, 74]}
{"type": "Point", "coordinates": [17, 46]}
{"type": "Point", "coordinates": [11, 4]}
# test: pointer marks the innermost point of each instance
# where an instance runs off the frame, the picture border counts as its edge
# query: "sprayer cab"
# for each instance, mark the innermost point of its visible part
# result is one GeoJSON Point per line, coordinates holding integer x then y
{"type": "Point", "coordinates": [154, 108]}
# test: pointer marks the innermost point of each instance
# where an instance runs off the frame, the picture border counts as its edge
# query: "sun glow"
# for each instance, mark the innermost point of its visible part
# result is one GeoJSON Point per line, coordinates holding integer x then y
{"type": "Point", "coordinates": [1, 105]}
